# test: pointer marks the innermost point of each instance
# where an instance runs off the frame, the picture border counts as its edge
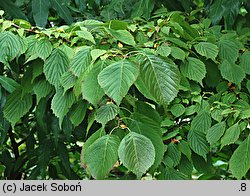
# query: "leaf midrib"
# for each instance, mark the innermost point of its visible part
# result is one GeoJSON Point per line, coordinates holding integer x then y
{"type": "Point", "coordinates": [105, 153]}
{"type": "Point", "coordinates": [136, 155]}
{"type": "Point", "coordinates": [151, 62]}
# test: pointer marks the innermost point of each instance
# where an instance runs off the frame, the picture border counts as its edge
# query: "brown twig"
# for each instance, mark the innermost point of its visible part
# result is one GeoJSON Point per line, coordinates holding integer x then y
{"type": "Point", "coordinates": [14, 144]}
{"type": "Point", "coordinates": [18, 27]}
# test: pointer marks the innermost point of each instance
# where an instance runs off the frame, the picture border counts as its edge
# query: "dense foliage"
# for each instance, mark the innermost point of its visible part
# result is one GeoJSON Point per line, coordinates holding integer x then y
{"type": "Point", "coordinates": [50, 12]}
{"type": "Point", "coordinates": [163, 94]}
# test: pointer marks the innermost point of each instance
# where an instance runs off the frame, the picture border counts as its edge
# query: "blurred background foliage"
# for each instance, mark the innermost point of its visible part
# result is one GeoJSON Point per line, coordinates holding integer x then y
{"type": "Point", "coordinates": [45, 13]}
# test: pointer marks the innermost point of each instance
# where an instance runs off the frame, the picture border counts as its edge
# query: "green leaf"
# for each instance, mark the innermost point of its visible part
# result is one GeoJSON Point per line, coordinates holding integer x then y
{"type": "Point", "coordinates": [215, 132]}
{"type": "Point", "coordinates": [171, 174]}
{"type": "Point", "coordinates": [8, 84]}
{"type": "Point", "coordinates": [106, 113]}
{"type": "Point", "coordinates": [5, 25]}
{"type": "Point", "coordinates": [216, 11]}
{"type": "Point", "coordinates": [142, 8]}
{"type": "Point", "coordinates": [55, 66]}
{"type": "Point", "coordinates": [137, 153]}
{"type": "Point", "coordinates": [90, 23]}
{"type": "Point", "coordinates": [178, 53]}
{"type": "Point", "coordinates": [31, 52]}
{"type": "Point", "coordinates": [232, 9]}
{"type": "Point", "coordinates": [91, 90]}
{"type": "Point", "coordinates": [12, 9]}
{"type": "Point", "coordinates": [81, 61]}
{"type": "Point", "coordinates": [213, 76]}
{"type": "Point", "coordinates": [63, 154]}
{"type": "Point", "coordinates": [61, 103]}
{"type": "Point", "coordinates": [202, 165]}
{"type": "Point", "coordinates": [198, 143]}
{"type": "Point", "coordinates": [207, 49]}
{"type": "Point", "coordinates": [189, 32]}
{"type": "Point", "coordinates": [140, 85]}
{"type": "Point", "coordinates": [91, 120]}
{"type": "Point", "coordinates": [186, 167]}
{"type": "Point", "coordinates": [161, 78]}
{"type": "Point", "coordinates": [23, 24]}
{"type": "Point", "coordinates": [78, 112]}
{"type": "Point", "coordinates": [26, 83]}
{"type": "Point", "coordinates": [177, 110]}
{"type": "Point", "coordinates": [37, 48]}
{"type": "Point", "coordinates": [68, 80]}
{"type": "Point", "coordinates": [202, 121]}
{"type": "Point", "coordinates": [172, 156]}
{"type": "Point", "coordinates": [102, 155]}
{"type": "Point", "coordinates": [10, 46]}
{"type": "Point", "coordinates": [164, 50]}
{"type": "Point", "coordinates": [96, 53]}
{"type": "Point", "coordinates": [37, 68]}
{"type": "Point", "coordinates": [191, 110]}
{"type": "Point", "coordinates": [228, 50]}
{"type": "Point", "coordinates": [231, 135]}
{"type": "Point", "coordinates": [245, 62]}
{"type": "Point", "coordinates": [194, 69]}
{"type": "Point", "coordinates": [177, 42]}
{"type": "Point", "coordinates": [177, 28]}
{"type": "Point", "coordinates": [117, 24]}
{"type": "Point", "coordinates": [141, 38]}
{"type": "Point", "coordinates": [248, 86]}
{"type": "Point", "coordinates": [232, 72]}
{"type": "Point", "coordinates": [99, 133]}
{"type": "Point", "coordinates": [44, 151]}
{"type": "Point", "coordinates": [239, 163]}
{"type": "Point", "coordinates": [245, 114]}
{"type": "Point", "coordinates": [24, 45]}
{"type": "Point", "coordinates": [228, 9]}
{"type": "Point", "coordinates": [149, 112]}
{"type": "Point", "coordinates": [216, 114]}
{"type": "Point", "coordinates": [117, 78]}
{"type": "Point", "coordinates": [123, 36]}
{"type": "Point", "coordinates": [69, 51]}
{"type": "Point", "coordinates": [42, 88]}
{"type": "Point", "coordinates": [85, 34]}
{"type": "Point", "coordinates": [40, 10]}
{"type": "Point", "coordinates": [16, 106]}
{"type": "Point", "coordinates": [185, 149]}
{"type": "Point", "coordinates": [43, 48]}
{"type": "Point", "coordinates": [61, 7]}
{"type": "Point", "coordinates": [4, 124]}
{"type": "Point", "coordinates": [146, 121]}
